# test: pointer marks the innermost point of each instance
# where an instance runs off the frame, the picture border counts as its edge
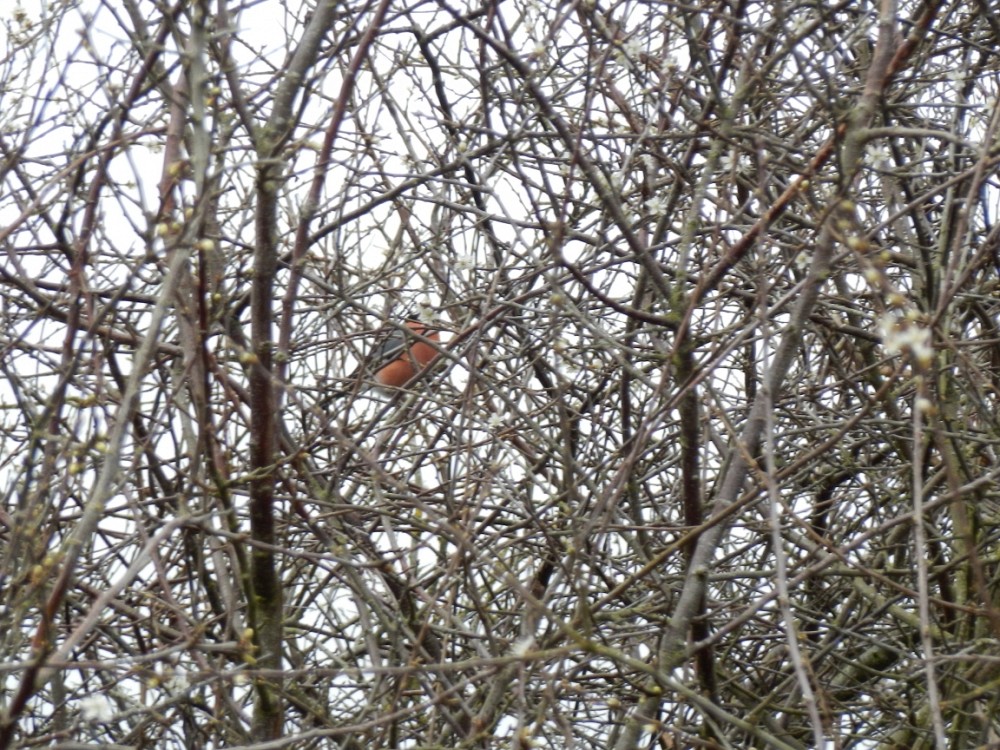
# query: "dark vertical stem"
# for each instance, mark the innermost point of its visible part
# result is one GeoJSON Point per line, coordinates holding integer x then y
{"type": "Point", "coordinates": [264, 594]}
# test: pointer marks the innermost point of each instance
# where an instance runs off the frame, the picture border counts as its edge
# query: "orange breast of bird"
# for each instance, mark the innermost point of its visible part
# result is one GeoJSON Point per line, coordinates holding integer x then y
{"type": "Point", "coordinates": [413, 358]}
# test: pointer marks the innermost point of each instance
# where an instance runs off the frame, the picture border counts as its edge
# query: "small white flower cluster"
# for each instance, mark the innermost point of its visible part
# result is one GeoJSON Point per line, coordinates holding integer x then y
{"type": "Point", "coordinates": [657, 205]}
{"type": "Point", "coordinates": [96, 707]}
{"type": "Point", "coordinates": [879, 154]}
{"type": "Point", "coordinates": [906, 333]}
{"type": "Point", "coordinates": [425, 313]}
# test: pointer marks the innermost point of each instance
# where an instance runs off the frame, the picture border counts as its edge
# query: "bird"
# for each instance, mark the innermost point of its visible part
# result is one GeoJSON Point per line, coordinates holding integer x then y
{"type": "Point", "coordinates": [399, 356]}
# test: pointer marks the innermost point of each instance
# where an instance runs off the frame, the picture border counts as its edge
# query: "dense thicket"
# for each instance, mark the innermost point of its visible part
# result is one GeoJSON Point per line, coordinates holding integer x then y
{"type": "Point", "coordinates": [709, 455]}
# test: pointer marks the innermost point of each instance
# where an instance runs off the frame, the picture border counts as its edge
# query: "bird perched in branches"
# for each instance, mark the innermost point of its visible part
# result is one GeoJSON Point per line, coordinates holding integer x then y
{"type": "Point", "coordinates": [398, 359]}
{"type": "Point", "coordinates": [399, 355]}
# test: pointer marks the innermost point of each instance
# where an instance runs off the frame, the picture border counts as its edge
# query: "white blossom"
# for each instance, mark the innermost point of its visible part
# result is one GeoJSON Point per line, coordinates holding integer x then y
{"type": "Point", "coordinates": [901, 335]}
{"type": "Point", "coordinates": [656, 205]}
{"type": "Point", "coordinates": [96, 707]}
{"type": "Point", "coordinates": [522, 646]}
